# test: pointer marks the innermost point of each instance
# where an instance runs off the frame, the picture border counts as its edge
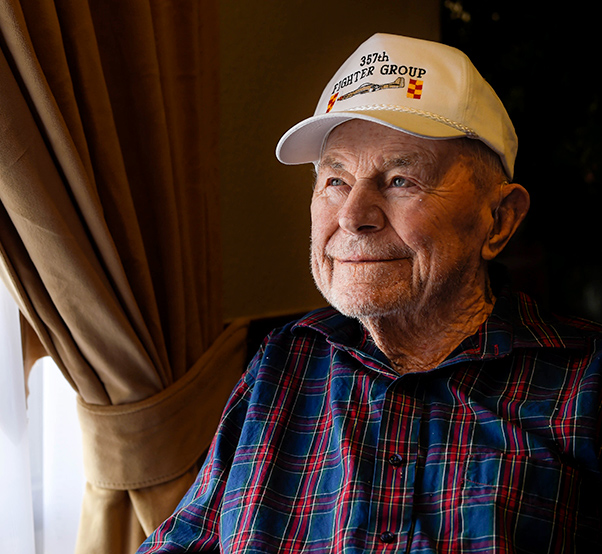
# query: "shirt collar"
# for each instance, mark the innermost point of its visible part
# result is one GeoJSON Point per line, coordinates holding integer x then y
{"type": "Point", "coordinates": [344, 333]}
{"type": "Point", "coordinates": [515, 322]}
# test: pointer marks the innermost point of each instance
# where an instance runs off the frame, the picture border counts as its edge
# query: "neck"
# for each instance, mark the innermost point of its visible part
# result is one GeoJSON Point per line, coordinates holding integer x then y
{"type": "Point", "coordinates": [421, 338]}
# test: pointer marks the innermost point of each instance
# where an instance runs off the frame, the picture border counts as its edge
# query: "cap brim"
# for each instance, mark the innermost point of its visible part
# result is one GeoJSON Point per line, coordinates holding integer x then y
{"type": "Point", "coordinates": [303, 143]}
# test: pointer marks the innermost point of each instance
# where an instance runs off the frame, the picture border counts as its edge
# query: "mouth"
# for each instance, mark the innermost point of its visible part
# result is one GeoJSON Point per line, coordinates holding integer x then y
{"type": "Point", "coordinates": [367, 260]}
{"type": "Point", "coordinates": [356, 253]}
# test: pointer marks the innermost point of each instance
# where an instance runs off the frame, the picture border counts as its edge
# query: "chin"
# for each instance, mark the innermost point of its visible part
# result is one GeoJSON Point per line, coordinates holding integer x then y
{"type": "Point", "coordinates": [362, 305]}
{"type": "Point", "coordinates": [366, 292]}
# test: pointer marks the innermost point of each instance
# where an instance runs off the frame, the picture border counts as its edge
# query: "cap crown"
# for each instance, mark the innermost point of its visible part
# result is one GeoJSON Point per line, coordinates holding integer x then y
{"type": "Point", "coordinates": [420, 87]}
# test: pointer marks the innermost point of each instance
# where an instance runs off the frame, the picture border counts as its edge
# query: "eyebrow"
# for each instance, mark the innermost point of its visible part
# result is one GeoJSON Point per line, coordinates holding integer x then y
{"type": "Point", "coordinates": [402, 161]}
{"type": "Point", "coordinates": [399, 161]}
{"type": "Point", "coordinates": [331, 163]}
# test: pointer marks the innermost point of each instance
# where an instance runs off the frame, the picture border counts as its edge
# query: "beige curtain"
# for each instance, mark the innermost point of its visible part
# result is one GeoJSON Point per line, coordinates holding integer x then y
{"type": "Point", "coordinates": [109, 237]}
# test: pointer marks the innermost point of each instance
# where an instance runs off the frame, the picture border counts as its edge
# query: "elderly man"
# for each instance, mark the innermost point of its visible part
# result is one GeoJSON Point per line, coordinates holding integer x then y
{"type": "Point", "coordinates": [429, 410]}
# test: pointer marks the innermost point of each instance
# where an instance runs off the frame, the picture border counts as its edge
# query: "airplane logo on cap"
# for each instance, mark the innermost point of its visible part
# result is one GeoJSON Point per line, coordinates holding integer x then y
{"type": "Point", "coordinates": [373, 87]}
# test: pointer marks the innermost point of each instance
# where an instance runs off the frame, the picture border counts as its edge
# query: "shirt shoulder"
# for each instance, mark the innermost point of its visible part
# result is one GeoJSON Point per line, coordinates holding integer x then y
{"type": "Point", "coordinates": [300, 338]}
{"type": "Point", "coordinates": [532, 325]}
{"type": "Point", "coordinates": [324, 325]}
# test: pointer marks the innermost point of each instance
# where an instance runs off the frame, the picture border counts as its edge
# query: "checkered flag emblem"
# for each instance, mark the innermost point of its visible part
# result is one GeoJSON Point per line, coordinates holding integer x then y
{"type": "Point", "coordinates": [415, 89]}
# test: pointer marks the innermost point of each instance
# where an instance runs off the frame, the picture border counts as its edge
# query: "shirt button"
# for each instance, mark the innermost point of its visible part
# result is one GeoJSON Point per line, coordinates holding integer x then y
{"type": "Point", "coordinates": [387, 537]}
{"type": "Point", "coordinates": [395, 460]}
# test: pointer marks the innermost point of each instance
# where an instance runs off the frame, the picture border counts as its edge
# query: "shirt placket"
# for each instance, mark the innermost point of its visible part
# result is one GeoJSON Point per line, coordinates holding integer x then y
{"type": "Point", "coordinates": [395, 470]}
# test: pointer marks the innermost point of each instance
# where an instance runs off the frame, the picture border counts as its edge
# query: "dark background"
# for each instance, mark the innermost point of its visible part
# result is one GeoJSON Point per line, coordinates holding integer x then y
{"type": "Point", "coordinates": [543, 61]}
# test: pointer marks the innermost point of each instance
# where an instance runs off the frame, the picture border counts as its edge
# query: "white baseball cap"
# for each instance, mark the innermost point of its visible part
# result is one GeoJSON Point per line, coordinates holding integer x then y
{"type": "Point", "coordinates": [419, 87]}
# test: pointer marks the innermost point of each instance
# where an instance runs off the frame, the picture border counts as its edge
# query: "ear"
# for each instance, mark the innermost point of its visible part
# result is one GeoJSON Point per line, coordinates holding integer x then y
{"type": "Point", "coordinates": [506, 217]}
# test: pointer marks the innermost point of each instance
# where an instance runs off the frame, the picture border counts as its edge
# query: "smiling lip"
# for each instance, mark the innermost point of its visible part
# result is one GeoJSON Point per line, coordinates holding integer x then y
{"type": "Point", "coordinates": [367, 260]}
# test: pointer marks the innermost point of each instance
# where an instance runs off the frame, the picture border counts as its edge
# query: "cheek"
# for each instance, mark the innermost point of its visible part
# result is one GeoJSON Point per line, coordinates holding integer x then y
{"type": "Point", "coordinates": [319, 237]}
{"type": "Point", "coordinates": [469, 230]}
{"type": "Point", "coordinates": [417, 228]}
{"type": "Point", "coordinates": [323, 224]}
{"type": "Point", "coordinates": [436, 236]}
{"type": "Point", "coordinates": [451, 239]}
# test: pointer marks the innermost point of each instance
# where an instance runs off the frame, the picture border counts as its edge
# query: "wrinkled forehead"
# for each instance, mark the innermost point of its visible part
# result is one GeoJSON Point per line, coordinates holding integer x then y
{"type": "Point", "coordinates": [366, 142]}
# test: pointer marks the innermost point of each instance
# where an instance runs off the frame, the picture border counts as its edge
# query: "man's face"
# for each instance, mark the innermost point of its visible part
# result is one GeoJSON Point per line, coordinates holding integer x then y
{"type": "Point", "coordinates": [397, 223]}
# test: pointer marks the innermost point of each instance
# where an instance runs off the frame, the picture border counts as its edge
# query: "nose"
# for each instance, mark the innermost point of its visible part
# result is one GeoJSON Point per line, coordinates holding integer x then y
{"type": "Point", "coordinates": [362, 211]}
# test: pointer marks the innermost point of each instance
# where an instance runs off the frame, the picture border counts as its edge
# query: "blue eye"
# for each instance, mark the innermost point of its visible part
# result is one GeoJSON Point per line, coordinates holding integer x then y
{"type": "Point", "coordinates": [401, 182]}
{"type": "Point", "coordinates": [335, 182]}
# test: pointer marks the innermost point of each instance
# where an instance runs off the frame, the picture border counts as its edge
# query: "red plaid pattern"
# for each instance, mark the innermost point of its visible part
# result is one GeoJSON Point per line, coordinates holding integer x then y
{"type": "Point", "coordinates": [323, 448]}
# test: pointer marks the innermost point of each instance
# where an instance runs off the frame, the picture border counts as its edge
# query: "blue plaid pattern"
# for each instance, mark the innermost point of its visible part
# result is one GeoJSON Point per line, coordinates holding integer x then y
{"type": "Point", "coordinates": [323, 448]}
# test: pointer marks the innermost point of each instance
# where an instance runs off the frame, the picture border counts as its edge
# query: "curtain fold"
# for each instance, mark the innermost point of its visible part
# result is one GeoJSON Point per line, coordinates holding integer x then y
{"type": "Point", "coordinates": [109, 236]}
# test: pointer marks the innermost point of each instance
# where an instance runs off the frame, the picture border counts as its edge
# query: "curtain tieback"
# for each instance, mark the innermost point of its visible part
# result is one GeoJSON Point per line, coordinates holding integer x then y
{"type": "Point", "coordinates": [158, 439]}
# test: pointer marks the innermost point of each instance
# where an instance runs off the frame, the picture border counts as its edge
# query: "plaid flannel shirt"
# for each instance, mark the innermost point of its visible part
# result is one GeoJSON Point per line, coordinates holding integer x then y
{"type": "Point", "coordinates": [324, 448]}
